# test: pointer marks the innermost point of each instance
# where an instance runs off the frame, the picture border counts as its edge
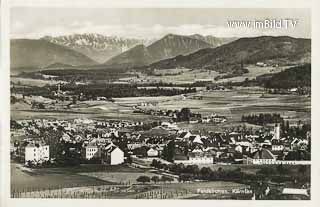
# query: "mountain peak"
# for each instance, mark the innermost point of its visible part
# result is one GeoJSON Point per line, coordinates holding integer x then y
{"type": "Point", "coordinates": [169, 46]}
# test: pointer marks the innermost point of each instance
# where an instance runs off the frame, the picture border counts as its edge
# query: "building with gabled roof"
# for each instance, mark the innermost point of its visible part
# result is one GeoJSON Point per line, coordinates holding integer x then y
{"type": "Point", "coordinates": [112, 155]}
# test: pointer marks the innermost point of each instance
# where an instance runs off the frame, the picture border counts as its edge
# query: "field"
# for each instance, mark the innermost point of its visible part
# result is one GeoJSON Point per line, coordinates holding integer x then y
{"type": "Point", "coordinates": [232, 104]}
{"type": "Point", "coordinates": [117, 177]}
{"type": "Point", "coordinates": [31, 180]}
{"type": "Point", "coordinates": [33, 82]}
{"type": "Point", "coordinates": [97, 181]}
{"type": "Point", "coordinates": [182, 76]}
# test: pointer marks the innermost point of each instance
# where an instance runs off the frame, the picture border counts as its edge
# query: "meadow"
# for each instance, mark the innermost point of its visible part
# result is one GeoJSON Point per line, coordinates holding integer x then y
{"type": "Point", "coordinates": [230, 103]}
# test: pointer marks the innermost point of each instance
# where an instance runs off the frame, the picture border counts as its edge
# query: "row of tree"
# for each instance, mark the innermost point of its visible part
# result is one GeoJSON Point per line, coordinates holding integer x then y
{"type": "Point", "coordinates": [193, 172]}
{"type": "Point", "coordinates": [156, 179]}
{"type": "Point", "coordinates": [262, 119]}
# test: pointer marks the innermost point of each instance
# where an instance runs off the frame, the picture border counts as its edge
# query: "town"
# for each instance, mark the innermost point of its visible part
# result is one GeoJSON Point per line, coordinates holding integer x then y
{"type": "Point", "coordinates": [159, 145]}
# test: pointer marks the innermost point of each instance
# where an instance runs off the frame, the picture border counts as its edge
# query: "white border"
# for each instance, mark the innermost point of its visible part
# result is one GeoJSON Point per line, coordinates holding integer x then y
{"type": "Point", "coordinates": [5, 199]}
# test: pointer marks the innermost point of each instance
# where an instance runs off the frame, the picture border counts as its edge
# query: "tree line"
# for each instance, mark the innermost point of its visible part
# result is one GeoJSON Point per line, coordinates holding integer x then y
{"type": "Point", "coordinates": [262, 119]}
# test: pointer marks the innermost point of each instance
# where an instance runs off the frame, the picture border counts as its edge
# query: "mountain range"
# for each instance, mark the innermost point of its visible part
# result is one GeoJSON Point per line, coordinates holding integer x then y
{"type": "Point", "coordinates": [280, 49]}
{"type": "Point", "coordinates": [171, 51]}
{"type": "Point", "coordinates": [96, 46]}
{"type": "Point", "coordinates": [169, 46]}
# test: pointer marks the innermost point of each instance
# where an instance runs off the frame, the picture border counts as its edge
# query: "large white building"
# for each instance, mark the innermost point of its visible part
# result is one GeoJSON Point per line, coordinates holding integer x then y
{"type": "Point", "coordinates": [35, 152]}
{"type": "Point", "coordinates": [91, 151]}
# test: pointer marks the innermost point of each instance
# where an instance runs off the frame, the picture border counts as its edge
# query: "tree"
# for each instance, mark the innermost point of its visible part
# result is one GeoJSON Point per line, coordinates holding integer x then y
{"type": "Point", "coordinates": [192, 169]}
{"type": "Point", "coordinates": [185, 177]}
{"type": "Point", "coordinates": [129, 159]}
{"type": "Point", "coordinates": [166, 179]}
{"type": "Point", "coordinates": [74, 99]}
{"type": "Point", "coordinates": [302, 169]}
{"type": "Point", "coordinates": [205, 172]}
{"type": "Point", "coordinates": [155, 163]}
{"type": "Point", "coordinates": [143, 179]}
{"type": "Point", "coordinates": [169, 151]}
{"type": "Point", "coordinates": [155, 179]}
{"type": "Point", "coordinates": [185, 114]}
{"type": "Point", "coordinates": [41, 106]}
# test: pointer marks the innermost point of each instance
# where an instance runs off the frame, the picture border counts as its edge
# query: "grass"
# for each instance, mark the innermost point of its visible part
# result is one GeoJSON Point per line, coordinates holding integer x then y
{"type": "Point", "coordinates": [119, 177]}
{"type": "Point", "coordinates": [33, 82]}
{"type": "Point", "coordinates": [232, 104]}
{"type": "Point", "coordinates": [52, 178]}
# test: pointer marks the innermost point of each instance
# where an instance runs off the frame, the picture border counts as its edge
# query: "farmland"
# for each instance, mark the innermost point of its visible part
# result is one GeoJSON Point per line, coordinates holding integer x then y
{"type": "Point", "coordinates": [48, 179]}
{"type": "Point", "coordinates": [232, 104]}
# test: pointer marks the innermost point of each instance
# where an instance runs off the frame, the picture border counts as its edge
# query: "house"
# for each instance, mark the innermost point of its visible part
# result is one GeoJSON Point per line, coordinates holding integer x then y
{"type": "Point", "coordinates": [261, 157]}
{"type": "Point", "coordinates": [169, 125]}
{"type": "Point", "coordinates": [184, 135]}
{"type": "Point", "coordinates": [193, 121]}
{"type": "Point", "coordinates": [195, 158]}
{"type": "Point", "coordinates": [34, 152]}
{"type": "Point", "coordinates": [298, 144]}
{"type": "Point", "coordinates": [152, 152]}
{"type": "Point", "coordinates": [91, 151]}
{"type": "Point", "coordinates": [141, 151]}
{"type": "Point", "coordinates": [195, 139]}
{"type": "Point", "coordinates": [112, 155]}
{"type": "Point", "coordinates": [238, 148]}
{"type": "Point", "coordinates": [101, 98]}
{"type": "Point", "coordinates": [277, 147]}
{"type": "Point", "coordinates": [205, 120]}
{"type": "Point", "coordinates": [294, 191]}
{"type": "Point", "coordinates": [261, 64]}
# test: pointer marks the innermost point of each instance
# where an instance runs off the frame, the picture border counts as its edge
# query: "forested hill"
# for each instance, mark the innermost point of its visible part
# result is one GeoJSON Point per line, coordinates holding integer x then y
{"type": "Point", "coordinates": [299, 76]}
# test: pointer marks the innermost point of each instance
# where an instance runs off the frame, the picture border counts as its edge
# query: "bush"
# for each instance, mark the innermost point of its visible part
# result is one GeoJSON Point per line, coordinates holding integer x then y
{"type": "Point", "coordinates": [166, 179]}
{"type": "Point", "coordinates": [155, 179]}
{"type": "Point", "coordinates": [143, 179]}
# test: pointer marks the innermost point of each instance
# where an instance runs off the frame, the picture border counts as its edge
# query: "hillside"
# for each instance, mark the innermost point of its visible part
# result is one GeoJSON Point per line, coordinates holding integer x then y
{"type": "Point", "coordinates": [299, 76]}
{"type": "Point", "coordinates": [280, 50]}
{"type": "Point", "coordinates": [98, 47]}
{"type": "Point", "coordinates": [137, 56]}
{"type": "Point", "coordinates": [167, 47]}
{"type": "Point", "coordinates": [58, 65]}
{"type": "Point", "coordinates": [35, 54]}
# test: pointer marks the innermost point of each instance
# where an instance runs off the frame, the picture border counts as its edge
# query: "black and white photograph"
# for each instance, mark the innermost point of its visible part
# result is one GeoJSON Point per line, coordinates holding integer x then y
{"type": "Point", "coordinates": [160, 103]}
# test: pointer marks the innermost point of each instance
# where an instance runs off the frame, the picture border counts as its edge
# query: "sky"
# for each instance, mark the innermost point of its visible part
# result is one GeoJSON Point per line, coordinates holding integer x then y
{"type": "Point", "coordinates": [36, 22]}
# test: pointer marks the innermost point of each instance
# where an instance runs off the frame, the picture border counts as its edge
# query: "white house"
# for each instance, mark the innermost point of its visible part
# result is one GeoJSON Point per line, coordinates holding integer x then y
{"type": "Point", "coordinates": [91, 151]}
{"type": "Point", "coordinates": [261, 157]}
{"type": "Point", "coordinates": [196, 159]}
{"type": "Point", "coordinates": [112, 155]}
{"type": "Point", "coordinates": [277, 147]}
{"type": "Point", "coordinates": [152, 152]}
{"type": "Point", "coordinates": [238, 148]}
{"type": "Point", "coordinates": [35, 152]}
{"type": "Point", "coordinates": [295, 191]}
{"type": "Point", "coordinates": [169, 125]}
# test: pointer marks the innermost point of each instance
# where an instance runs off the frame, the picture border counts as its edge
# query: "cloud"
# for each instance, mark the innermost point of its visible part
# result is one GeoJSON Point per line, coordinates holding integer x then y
{"type": "Point", "coordinates": [139, 31]}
